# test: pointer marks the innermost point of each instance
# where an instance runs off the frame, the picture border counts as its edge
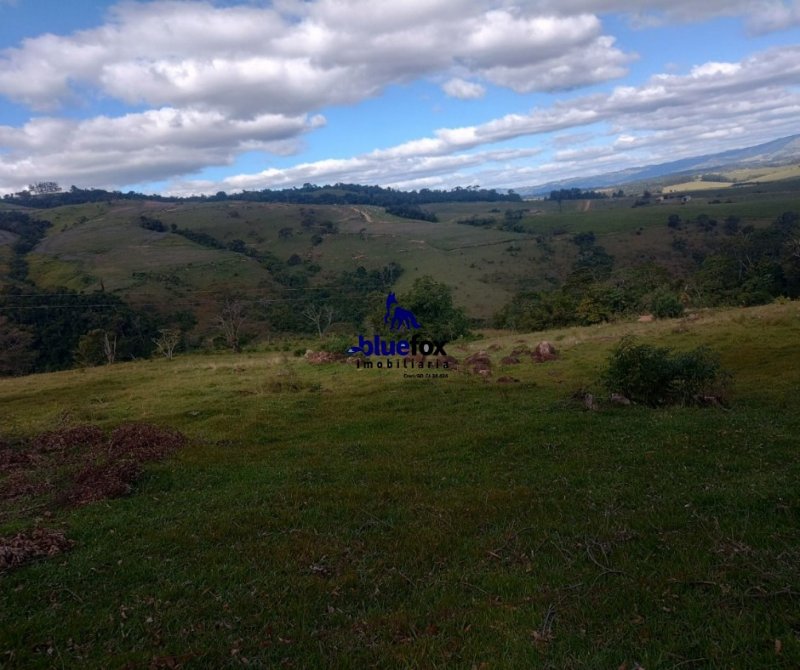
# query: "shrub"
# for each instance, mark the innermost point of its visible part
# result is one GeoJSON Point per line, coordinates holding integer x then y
{"type": "Point", "coordinates": [656, 376]}
{"type": "Point", "coordinates": [666, 305]}
{"type": "Point", "coordinates": [338, 344]}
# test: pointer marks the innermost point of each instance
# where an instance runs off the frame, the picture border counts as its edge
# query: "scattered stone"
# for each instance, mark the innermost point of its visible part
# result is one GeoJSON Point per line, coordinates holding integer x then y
{"type": "Point", "coordinates": [619, 399]}
{"type": "Point", "coordinates": [589, 403]}
{"type": "Point", "coordinates": [544, 351]}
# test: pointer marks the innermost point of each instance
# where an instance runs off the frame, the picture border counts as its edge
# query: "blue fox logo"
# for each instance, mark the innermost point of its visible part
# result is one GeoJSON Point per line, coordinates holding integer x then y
{"type": "Point", "coordinates": [401, 317]}
{"type": "Point", "coordinates": [397, 317]}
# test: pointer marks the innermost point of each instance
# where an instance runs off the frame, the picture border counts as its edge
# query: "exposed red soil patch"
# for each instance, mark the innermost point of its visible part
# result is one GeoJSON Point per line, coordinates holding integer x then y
{"type": "Point", "coordinates": [71, 467]}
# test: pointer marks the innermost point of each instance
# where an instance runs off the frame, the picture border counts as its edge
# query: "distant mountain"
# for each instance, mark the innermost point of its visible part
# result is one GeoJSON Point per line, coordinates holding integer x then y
{"type": "Point", "coordinates": [775, 153]}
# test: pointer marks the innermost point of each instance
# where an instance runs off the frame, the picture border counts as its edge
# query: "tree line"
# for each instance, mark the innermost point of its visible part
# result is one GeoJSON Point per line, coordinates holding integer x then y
{"type": "Point", "coordinates": [308, 194]}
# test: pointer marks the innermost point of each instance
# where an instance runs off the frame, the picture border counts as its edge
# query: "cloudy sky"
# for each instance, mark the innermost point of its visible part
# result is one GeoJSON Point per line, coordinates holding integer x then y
{"type": "Point", "coordinates": [195, 97]}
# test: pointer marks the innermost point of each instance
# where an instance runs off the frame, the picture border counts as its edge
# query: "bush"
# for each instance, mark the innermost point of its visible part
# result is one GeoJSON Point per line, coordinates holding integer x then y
{"type": "Point", "coordinates": [656, 376]}
{"type": "Point", "coordinates": [338, 344]}
{"type": "Point", "coordinates": [666, 305]}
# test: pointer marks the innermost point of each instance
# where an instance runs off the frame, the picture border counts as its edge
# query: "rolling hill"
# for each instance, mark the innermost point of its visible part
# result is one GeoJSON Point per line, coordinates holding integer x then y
{"type": "Point", "coordinates": [777, 153]}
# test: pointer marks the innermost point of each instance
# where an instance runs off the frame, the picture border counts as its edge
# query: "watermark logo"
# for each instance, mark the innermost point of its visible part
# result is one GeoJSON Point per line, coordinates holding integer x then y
{"type": "Point", "coordinates": [398, 318]}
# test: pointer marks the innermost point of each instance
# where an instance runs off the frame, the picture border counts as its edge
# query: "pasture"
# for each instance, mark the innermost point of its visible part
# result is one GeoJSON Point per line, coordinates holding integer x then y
{"type": "Point", "coordinates": [323, 516]}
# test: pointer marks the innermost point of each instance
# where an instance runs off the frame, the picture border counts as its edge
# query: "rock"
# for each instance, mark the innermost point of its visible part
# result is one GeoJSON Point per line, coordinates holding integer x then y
{"type": "Point", "coordinates": [619, 399]}
{"type": "Point", "coordinates": [544, 351]}
{"type": "Point", "coordinates": [510, 360]}
{"type": "Point", "coordinates": [646, 318]}
{"type": "Point", "coordinates": [322, 357]}
{"type": "Point", "coordinates": [589, 403]}
{"type": "Point", "coordinates": [479, 363]}
{"type": "Point", "coordinates": [479, 357]}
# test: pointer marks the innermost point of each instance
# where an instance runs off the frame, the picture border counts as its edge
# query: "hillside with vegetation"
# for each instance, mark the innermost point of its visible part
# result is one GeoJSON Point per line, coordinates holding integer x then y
{"type": "Point", "coordinates": [94, 281]}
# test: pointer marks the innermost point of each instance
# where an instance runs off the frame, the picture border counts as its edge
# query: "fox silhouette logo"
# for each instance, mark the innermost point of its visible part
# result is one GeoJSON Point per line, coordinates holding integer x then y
{"type": "Point", "coordinates": [400, 316]}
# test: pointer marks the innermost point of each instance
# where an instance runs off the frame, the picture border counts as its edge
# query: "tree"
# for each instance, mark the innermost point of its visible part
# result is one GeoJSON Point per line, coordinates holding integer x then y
{"type": "Point", "coordinates": [230, 321]}
{"type": "Point", "coordinates": [731, 225]}
{"type": "Point", "coordinates": [43, 187]}
{"type": "Point", "coordinates": [432, 304]}
{"type": "Point", "coordinates": [167, 341]}
{"type": "Point", "coordinates": [109, 347]}
{"type": "Point", "coordinates": [90, 349]}
{"type": "Point", "coordinates": [17, 355]}
{"type": "Point", "coordinates": [320, 316]}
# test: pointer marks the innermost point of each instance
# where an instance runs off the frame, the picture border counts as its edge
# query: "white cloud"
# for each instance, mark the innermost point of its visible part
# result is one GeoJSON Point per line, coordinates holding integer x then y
{"type": "Point", "coordinates": [716, 106]}
{"type": "Point", "coordinates": [776, 16]}
{"type": "Point", "coordinates": [762, 16]}
{"type": "Point", "coordinates": [217, 81]}
{"type": "Point", "coordinates": [248, 60]}
{"type": "Point", "coordinates": [464, 90]}
{"type": "Point", "coordinates": [597, 62]}
{"type": "Point", "coordinates": [146, 146]}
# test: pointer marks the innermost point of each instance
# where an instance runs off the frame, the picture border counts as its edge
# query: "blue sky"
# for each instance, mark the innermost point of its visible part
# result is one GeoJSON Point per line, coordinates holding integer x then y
{"type": "Point", "coordinates": [194, 97]}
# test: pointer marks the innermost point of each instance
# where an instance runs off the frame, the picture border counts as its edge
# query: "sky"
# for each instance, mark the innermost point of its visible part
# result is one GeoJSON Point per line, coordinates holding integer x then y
{"type": "Point", "coordinates": [190, 97]}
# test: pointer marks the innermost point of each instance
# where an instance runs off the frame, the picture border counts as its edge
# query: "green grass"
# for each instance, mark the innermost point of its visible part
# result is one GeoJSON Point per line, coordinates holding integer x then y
{"type": "Point", "coordinates": [371, 520]}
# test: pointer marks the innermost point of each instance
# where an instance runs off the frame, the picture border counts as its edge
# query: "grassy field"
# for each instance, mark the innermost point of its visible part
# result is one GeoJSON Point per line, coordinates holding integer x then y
{"type": "Point", "coordinates": [368, 520]}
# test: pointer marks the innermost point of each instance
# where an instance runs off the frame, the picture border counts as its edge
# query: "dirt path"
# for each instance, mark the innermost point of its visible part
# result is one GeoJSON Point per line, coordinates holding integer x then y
{"type": "Point", "coordinates": [363, 214]}
{"type": "Point", "coordinates": [587, 205]}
